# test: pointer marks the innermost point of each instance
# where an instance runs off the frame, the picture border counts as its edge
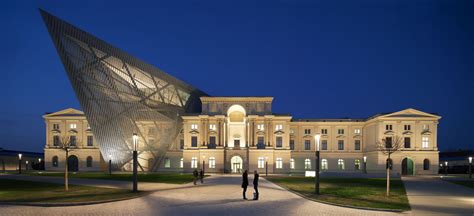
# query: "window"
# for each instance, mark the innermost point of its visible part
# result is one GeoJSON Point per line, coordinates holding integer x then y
{"type": "Point", "coordinates": [212, 140]}
{"type": "Point", "coordinates": [340, 131]}
{"type": "Point", "coordinates": [90, 140]}
{"type": "Point", "coordinates": [194, 162]}
{"type": "Point", "coordinates": [55, 161]}
{"type": "Point", "coordinates": [425, 142]}
{"type": "Point", "coordinates": [340, 164]}
{"type": "Point", "coordinates": [89, 161]}
{"type": "Point", "coordinates": [181, 163]}
{"type": "Point", "coordinates": [279, 141]}
{"type": "Point", "coordinates": [56, 126]}
{"type": "Point", "coordinates": [56, 140]}
{"type": "Point", "coordinates": [194, 126]}
{"type": "Point", "coordinates": [324, 131]}
{"type": "Point", "coordinates": [260, 127]}
{"type": "Point", "coordinates": [236, 143]}
{"type": "Point", "coordinates": [261, 140]}
{"type": "Point", "coordinates": [407, 127]}
{"type": "Point", "coordinates": [181, 143]}
{"type": "Point", "coordinates": [307, 131]}
{"type": "Point", "coordinates": [292, 144]}
{"type": "Point", "coordinates": [356, 144]}
{"type": "Point", "coordinates": [72, 140]}
{"type": "Point", "coordinates": [388, 127]}
{"type": "Point", "coordinates": [279, 163]}
{"type": "Point", "coordinates": [292, 163]}
{"type": "Point", "coordinates": [340, 145]}
{"type": "Point", "coordinates": [357, 131]}
{"type": "Point", "coordinates": [261, 162]}
{"type": "Point", "coordinates": [167, 163]}
{"type": "Point", "coordinates": [407, 142]}
{"type": "Point", "coordinates": [307, 163]}
{"type": "Point", "coordinates": [73, 126]}
{"type": "Point", "coordinates": [426, 164]}
{"type": "Point", "coordinates": [194, 141]}
{"type": "Point", "coordinates": [357, 164]}
{"type": "Point", "coordinates": [212, 127]}
{"type": "Point", "coordinates": [278, 127]}
{"type": "Point", "coordinates": [388, 142]}
{"type": "Point", "coordinates": [212, 162]}
{"type": "Point", "coordinates": [324, 164]}
{"type": "Point", "coordinates": [324, 145]}
{"type": "Point", "coordinates": [307, 145]}
{"type": "Point", "coordinates": [426, 127]}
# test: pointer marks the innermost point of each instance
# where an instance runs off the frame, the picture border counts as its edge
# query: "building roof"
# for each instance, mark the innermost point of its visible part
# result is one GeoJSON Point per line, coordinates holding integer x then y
{"type": "Point", "coordinates": [69, 112]}
{"type": "Point", "coordinates": [14, 153]}
{"type": "Point", "coordinates": [237, 98]}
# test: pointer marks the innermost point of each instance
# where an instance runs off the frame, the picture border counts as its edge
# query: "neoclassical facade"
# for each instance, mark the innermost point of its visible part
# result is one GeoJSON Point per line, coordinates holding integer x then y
{"type": "Point", "coordinates": [236, 133]}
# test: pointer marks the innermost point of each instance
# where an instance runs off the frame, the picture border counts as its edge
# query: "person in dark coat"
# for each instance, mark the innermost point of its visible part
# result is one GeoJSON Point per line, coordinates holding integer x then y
{"type": "Point", "coordinates": [195, 174]}
{"type": "Point", "coordinates": [245, 183]}
{"type": "Point", "coordinates": [201, 176]}
{"type": "Point", "coordinates": [255, 184]}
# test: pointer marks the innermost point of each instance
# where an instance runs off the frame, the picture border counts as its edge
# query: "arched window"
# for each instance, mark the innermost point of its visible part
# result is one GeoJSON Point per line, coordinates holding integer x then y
{"type": "Point", "coordinates": [181, 163]}
{"type": "Point", "coordinates": [212, 162]}
{"type": "Point", "coordinates": [307, 163]}
{"type": "Point", "coordinates": [55, 161]}
{"type": "Point", "coordinates": [89, 161]}
{"type": "Point", "coordinates": [324, 164]}
{"type": "Point", "coordinates": [426, 164]}
{"type": "Point", "coordinates": [340, 164]}
{"type": "Point", "coordinates": [357, 164]}
{"type": "Point", "coordinates": [292, 163]}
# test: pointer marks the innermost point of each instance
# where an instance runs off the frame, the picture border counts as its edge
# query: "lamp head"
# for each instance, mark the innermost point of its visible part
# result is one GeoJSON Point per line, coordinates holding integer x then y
{"type": "Point", "coordinates": [19, 156]}
{"type": "Point", "coordinates": [470, 159]}
{"type": "Point", "coordinates": [135, 141]}
{"type": "Point", "coordinates": [317, 138]}
{"type": "Point", "coordinates": [446, 163]}
{"type": "Point", "coordinates": [365, 159]}
{"type": "Point", "coordinates": [39, 159]}
{"type": "Point", "coordinates": [110, 156]}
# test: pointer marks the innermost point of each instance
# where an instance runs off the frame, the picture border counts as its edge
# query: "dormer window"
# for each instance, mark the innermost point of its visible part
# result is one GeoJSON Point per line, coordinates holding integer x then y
{"type": "Point", "coordinates": [260, 127]}
{"type": "Point", "coordinates": [278, 127]}
{"type": "Point", "coordinates": [212, 127]}
{"type": "Point", "coordinates": [357, 131]}
{"type": "Point", "coordinates": [388, 127]}
{"type": "Point", "coordinates": [194, 126]}
{"type": "Point", "coordinates": [407, 127]}
{"type": "Point", "coordinates": [307, 131]}
{"type": "Point", "coordinates": [73, 126]}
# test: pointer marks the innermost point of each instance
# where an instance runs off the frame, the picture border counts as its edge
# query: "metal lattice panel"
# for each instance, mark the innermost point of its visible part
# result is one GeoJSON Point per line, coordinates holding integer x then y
{"type": "Point", "coordinates": [121, 95]}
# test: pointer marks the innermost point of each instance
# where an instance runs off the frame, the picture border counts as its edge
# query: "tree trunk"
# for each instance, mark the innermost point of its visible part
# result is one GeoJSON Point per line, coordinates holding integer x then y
{"type": "Point", "coordinates": [388, 175]}
{"type": "Point", "coordinates": [66, 183]}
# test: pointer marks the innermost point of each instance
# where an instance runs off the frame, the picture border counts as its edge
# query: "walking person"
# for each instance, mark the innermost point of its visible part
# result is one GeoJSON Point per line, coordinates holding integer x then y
{"type": "Point", "coordinates": [195, 175]}
{"type": "Point", "coordinates": [201, 176]}
{"type": "Point", "coordinates": [245, 183]}
{"type": "Point", "coordinates": [255, 185]}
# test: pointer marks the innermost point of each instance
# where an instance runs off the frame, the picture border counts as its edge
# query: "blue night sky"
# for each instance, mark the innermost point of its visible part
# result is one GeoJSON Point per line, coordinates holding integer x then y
{"type": "Point", "coordinates": [319, 59]}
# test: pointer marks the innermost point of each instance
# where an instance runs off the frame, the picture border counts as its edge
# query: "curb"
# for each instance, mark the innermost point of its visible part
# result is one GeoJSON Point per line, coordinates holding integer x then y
{"type": "Point", "coordinates": [144, 193]}
{"type": "Point", "coordinates": [341, 205]}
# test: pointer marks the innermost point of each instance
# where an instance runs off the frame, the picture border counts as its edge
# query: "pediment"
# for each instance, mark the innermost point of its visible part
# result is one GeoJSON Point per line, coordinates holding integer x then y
{"type": "Point", "coordinates": [69, 112]}
{"type": "Point", "coordinates": [279, 132]}
{"type": "Point", "coordinates": [410, 113]}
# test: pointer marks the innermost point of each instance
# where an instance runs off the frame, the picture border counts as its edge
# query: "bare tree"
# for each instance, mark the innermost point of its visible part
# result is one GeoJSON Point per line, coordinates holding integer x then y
{"type": "Point", "coordinates": [389, 146]}
{"type": "Point", "coordinates": [66, 145]}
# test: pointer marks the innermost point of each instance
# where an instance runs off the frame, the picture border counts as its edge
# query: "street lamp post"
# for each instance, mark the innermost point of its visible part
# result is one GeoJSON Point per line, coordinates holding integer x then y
{"type": "Point", "coordinates": [26, 167]}
{"type": "Point", "coordinates": [365, 164]}
{"type": "Point", "coordinates": [317, 137]}
{"type": "Point", "coordinates": [135, 163]}
{"type": "Point", "coordinates": [446, 168]}
{"type": "Point", "coordinates": [470, 167]}
{"type": "Point", "coordinates": [266, 166]}
{"type": "Point", "coordinates": [19, 163]}
{"type": "Point", "coordinates": [203, 164]}
{"type": "Point", "coordinates": [39, 167]}
{"type": "Point", "coordinates": [110, 164]}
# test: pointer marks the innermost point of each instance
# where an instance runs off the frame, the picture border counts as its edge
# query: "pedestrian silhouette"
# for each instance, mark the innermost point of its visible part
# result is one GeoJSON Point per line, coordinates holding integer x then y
{"type": "Point", "coordinates": [201, 176]}
{"type": "Point", "coordinates": [245, 183]}
{"type": "Point", "coordinates": [255, 185]}
{"type": "Point", "coordinates": [195, 175]}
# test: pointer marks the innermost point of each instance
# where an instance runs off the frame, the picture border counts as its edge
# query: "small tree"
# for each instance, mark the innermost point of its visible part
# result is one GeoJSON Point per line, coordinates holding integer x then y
{"type": "Point", "coordinates": [388, 146]}
{"type": "Point", "coordinates": [66, 145]}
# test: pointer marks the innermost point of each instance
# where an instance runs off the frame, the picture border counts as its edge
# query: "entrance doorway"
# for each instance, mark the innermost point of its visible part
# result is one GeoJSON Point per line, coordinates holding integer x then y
{"type": "Point", "coordinates": [407, 166]}
{"type": "Point", "coordinates": [236, 163]}
{"type": "Point", "coordinates": [72, 164]}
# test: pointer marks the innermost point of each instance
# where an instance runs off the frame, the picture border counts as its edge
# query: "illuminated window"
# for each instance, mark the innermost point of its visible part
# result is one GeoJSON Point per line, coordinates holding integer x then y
{"type": "Point", "coordinates": [357, 164]}
{"type": "Point", "coordinates": [89, 161]}
{"type": "Point", "coordinates": [181, 163]}
{"type": "Point", "coordinates": [307, 163]}
{"type": "Point", "coordinates": [73, 126]}
{"type": "Point", "coordinates": [425, 142]}
{"type": "Point", "coordinates": [324, 131]}
{"type": "Point", "coordinates": [279, 163]}
{"type": "Point", "coordinates": [324, 164]}
{"type": "Point", "coordinates": [167, 163]}
{"type": "Point", "coordinates": [278, 127]}
{"type": "Point", "coordinates": [292, 163]}
{"type": "Point", "coordinates": [357, 131]}
{"type": "Point", "coordinates": [261, 162]}
{"type": "Point", "coordinates": [194, 162]}
{"type": "Point", "coordinates": [340, 164]}
{"type": "Point", "coordinates": [212, 162]}
{"type": "Point", "coordinates": [260, 127]}
{"type": "Point", "coordinates": [194, 126]}
{"type": "Point", "coordinates": [212, 127]}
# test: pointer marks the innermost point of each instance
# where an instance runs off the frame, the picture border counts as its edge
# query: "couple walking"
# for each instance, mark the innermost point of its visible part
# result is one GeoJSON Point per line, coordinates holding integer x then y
{"type": "Point", "coordinates": [198, 175]}
{"type": "Point", "coordinates": [245, 183]}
